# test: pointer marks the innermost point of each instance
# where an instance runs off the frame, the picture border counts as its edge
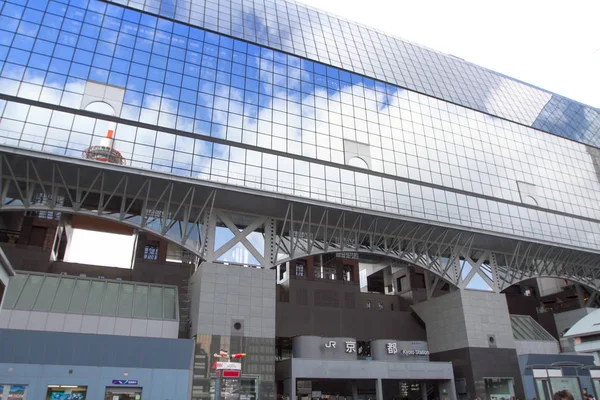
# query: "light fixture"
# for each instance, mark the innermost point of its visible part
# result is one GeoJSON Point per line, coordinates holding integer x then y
{"type": "Point", "coordinates": [126, 373]}
{"type": "Point", "coordinates": [63, 386]}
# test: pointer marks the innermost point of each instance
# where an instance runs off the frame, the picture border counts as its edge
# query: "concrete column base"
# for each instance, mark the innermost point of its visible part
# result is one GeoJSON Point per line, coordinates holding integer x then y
{"type": "Point", "coordinates": [379, 389]}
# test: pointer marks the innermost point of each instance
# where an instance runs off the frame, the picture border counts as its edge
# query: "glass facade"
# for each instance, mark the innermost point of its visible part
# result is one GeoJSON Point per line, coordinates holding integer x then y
{"type": "Point", "coordinates": [200, 104]}
{"type": "Point", "coordinates": [319, 36]}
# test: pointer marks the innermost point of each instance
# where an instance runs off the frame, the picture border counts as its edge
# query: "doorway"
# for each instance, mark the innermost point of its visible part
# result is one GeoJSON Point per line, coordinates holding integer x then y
{"type": "Point", "coordinates": [117, 393]}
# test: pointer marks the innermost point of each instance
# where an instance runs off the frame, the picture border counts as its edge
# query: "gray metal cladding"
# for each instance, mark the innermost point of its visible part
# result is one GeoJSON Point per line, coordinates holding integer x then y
{"type": "Point", "coordinates": [59, 348]}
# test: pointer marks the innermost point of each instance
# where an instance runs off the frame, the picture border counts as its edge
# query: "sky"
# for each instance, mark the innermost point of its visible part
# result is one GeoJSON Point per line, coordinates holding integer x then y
{"type": "Point", "coordinates": [544, 43]}
{"type": "Point", "coordinates": [114, 251]}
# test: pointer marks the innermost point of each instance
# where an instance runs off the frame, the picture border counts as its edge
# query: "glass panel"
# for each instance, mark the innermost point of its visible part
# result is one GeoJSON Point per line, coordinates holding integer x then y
{"type": "Point", "coordinates": [596, 387]}
{"type": "Point", "coordinates": [156, 302]}
{"type": "Point", "coordinates": [94, 303]}
{"type": "Point", "coordinates": [570, 384]}
{"type": "Point", "coordinates": [140, 301]}
{"type": "Point", "coordinates": [526, 328]}
{"type": "Point", "coordinates": [80, 296]}
{"type": "Point", "coordinates": [125, 301]}
{"type": "Point", "coordinates": [540, 385]}
{"type": "Point", "coordinates": [111, 297]}
{"type": "Point", "coordinates": [63, 295]}
{"type": "Point", "coordinates": [169, 303]}
{"type": "Point", "coordinates": [30, 292]}
{"type": "Point", "coordinates": [15, 285]}
{"type": "Point", "coordinates": [47, 293]}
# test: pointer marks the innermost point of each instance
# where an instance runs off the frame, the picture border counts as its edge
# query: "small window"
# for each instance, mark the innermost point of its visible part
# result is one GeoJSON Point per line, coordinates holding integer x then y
{"type": "Point", "coordinates": [347, 273]}
{"type": "Point", "coordinates": [328, 273]}
{"type": "Point", "coordinates": [325, 273]}
{"type": "Point", "coordinates": [368, 304]}
{"type": "Point", "coordinates": [380, 306]}
{"type": "Point", "coordinates": [150, 252]}
{"type": "Point", "coordinates": [299, 269]}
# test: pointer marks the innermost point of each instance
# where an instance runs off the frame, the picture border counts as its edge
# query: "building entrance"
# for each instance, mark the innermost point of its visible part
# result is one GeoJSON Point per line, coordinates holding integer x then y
{"type": "Point", "coordinates": [244, 388]}
{"type": "Point", "coordinates": [316, 389]}
{"type": "Point", "coordinates": [337, 389]}
{"type": "Point", "coordinates": [118, 393]}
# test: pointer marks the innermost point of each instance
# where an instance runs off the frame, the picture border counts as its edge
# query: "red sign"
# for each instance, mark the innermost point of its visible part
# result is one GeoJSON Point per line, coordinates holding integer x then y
{"type": "Point", "coordinates": [231, 374]}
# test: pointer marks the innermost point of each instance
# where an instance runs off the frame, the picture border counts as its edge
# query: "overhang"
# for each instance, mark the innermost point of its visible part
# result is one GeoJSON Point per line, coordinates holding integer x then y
{"type": "Point", "coordinates": [299, 368]}
{"type": "Point", "coordinates": [586, 326]}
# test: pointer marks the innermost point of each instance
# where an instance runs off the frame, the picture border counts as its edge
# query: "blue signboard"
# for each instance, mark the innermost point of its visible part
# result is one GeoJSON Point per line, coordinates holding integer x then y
{"type": "Point", "coordinates": [125, 382]}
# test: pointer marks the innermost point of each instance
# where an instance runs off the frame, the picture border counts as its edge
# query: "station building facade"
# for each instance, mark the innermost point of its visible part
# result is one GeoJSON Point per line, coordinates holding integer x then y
{"type": "Point", "coordinates": [437, 203]}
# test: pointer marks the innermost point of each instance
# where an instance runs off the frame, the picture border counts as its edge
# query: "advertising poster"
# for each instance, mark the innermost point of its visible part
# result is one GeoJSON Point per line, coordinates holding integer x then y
{"type": "Point", "coordinates": [231, 389]}
{"type": "Point", "coordinates": [67, 396]}
{"type": "Point", "coordinates": [16, 392]}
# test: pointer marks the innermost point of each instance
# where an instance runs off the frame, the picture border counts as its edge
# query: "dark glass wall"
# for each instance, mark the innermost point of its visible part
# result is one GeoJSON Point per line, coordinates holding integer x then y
{"type": "Point", "coordinates": [258, 366]}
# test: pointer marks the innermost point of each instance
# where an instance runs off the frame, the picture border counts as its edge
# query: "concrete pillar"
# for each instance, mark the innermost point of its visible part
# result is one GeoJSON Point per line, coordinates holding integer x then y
{"type": "Point", "coordinates": [289, 388]}
{"type": "Point", "coordinates": [447, 390]}
{"type": "Point", "coordinates": [379, 389]}
{"type": "Point", "coordinates": [163, 247]}
{"type": "Point", "coordinates": [235, 306]}
{"type": "Point", "coordinates": [480, 328]}
{"type": "Point", "coordinates": [354, 390]}
{"type": "Point", "coordinates": [475, 318]}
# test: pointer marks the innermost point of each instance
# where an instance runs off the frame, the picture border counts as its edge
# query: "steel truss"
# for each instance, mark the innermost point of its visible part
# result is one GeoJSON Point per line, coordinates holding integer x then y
{"type": "Point", "coordinates": [189, 213]}
{"type": "Point", "coordinates": [447, 254]}
{"type": "Point", "coordinates": [161, 207]}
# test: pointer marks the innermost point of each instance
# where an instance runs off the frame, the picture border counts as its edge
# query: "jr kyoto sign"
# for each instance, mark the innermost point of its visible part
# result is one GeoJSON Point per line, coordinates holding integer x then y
{"type": "Point", "coordinates": [350, 346]}
{"type": "Point", "coordinates": [392, 348]}
{"type": "Point", "coordinates": [404, 351]}
{"type": "Point", "coordinates": [328, 348]}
